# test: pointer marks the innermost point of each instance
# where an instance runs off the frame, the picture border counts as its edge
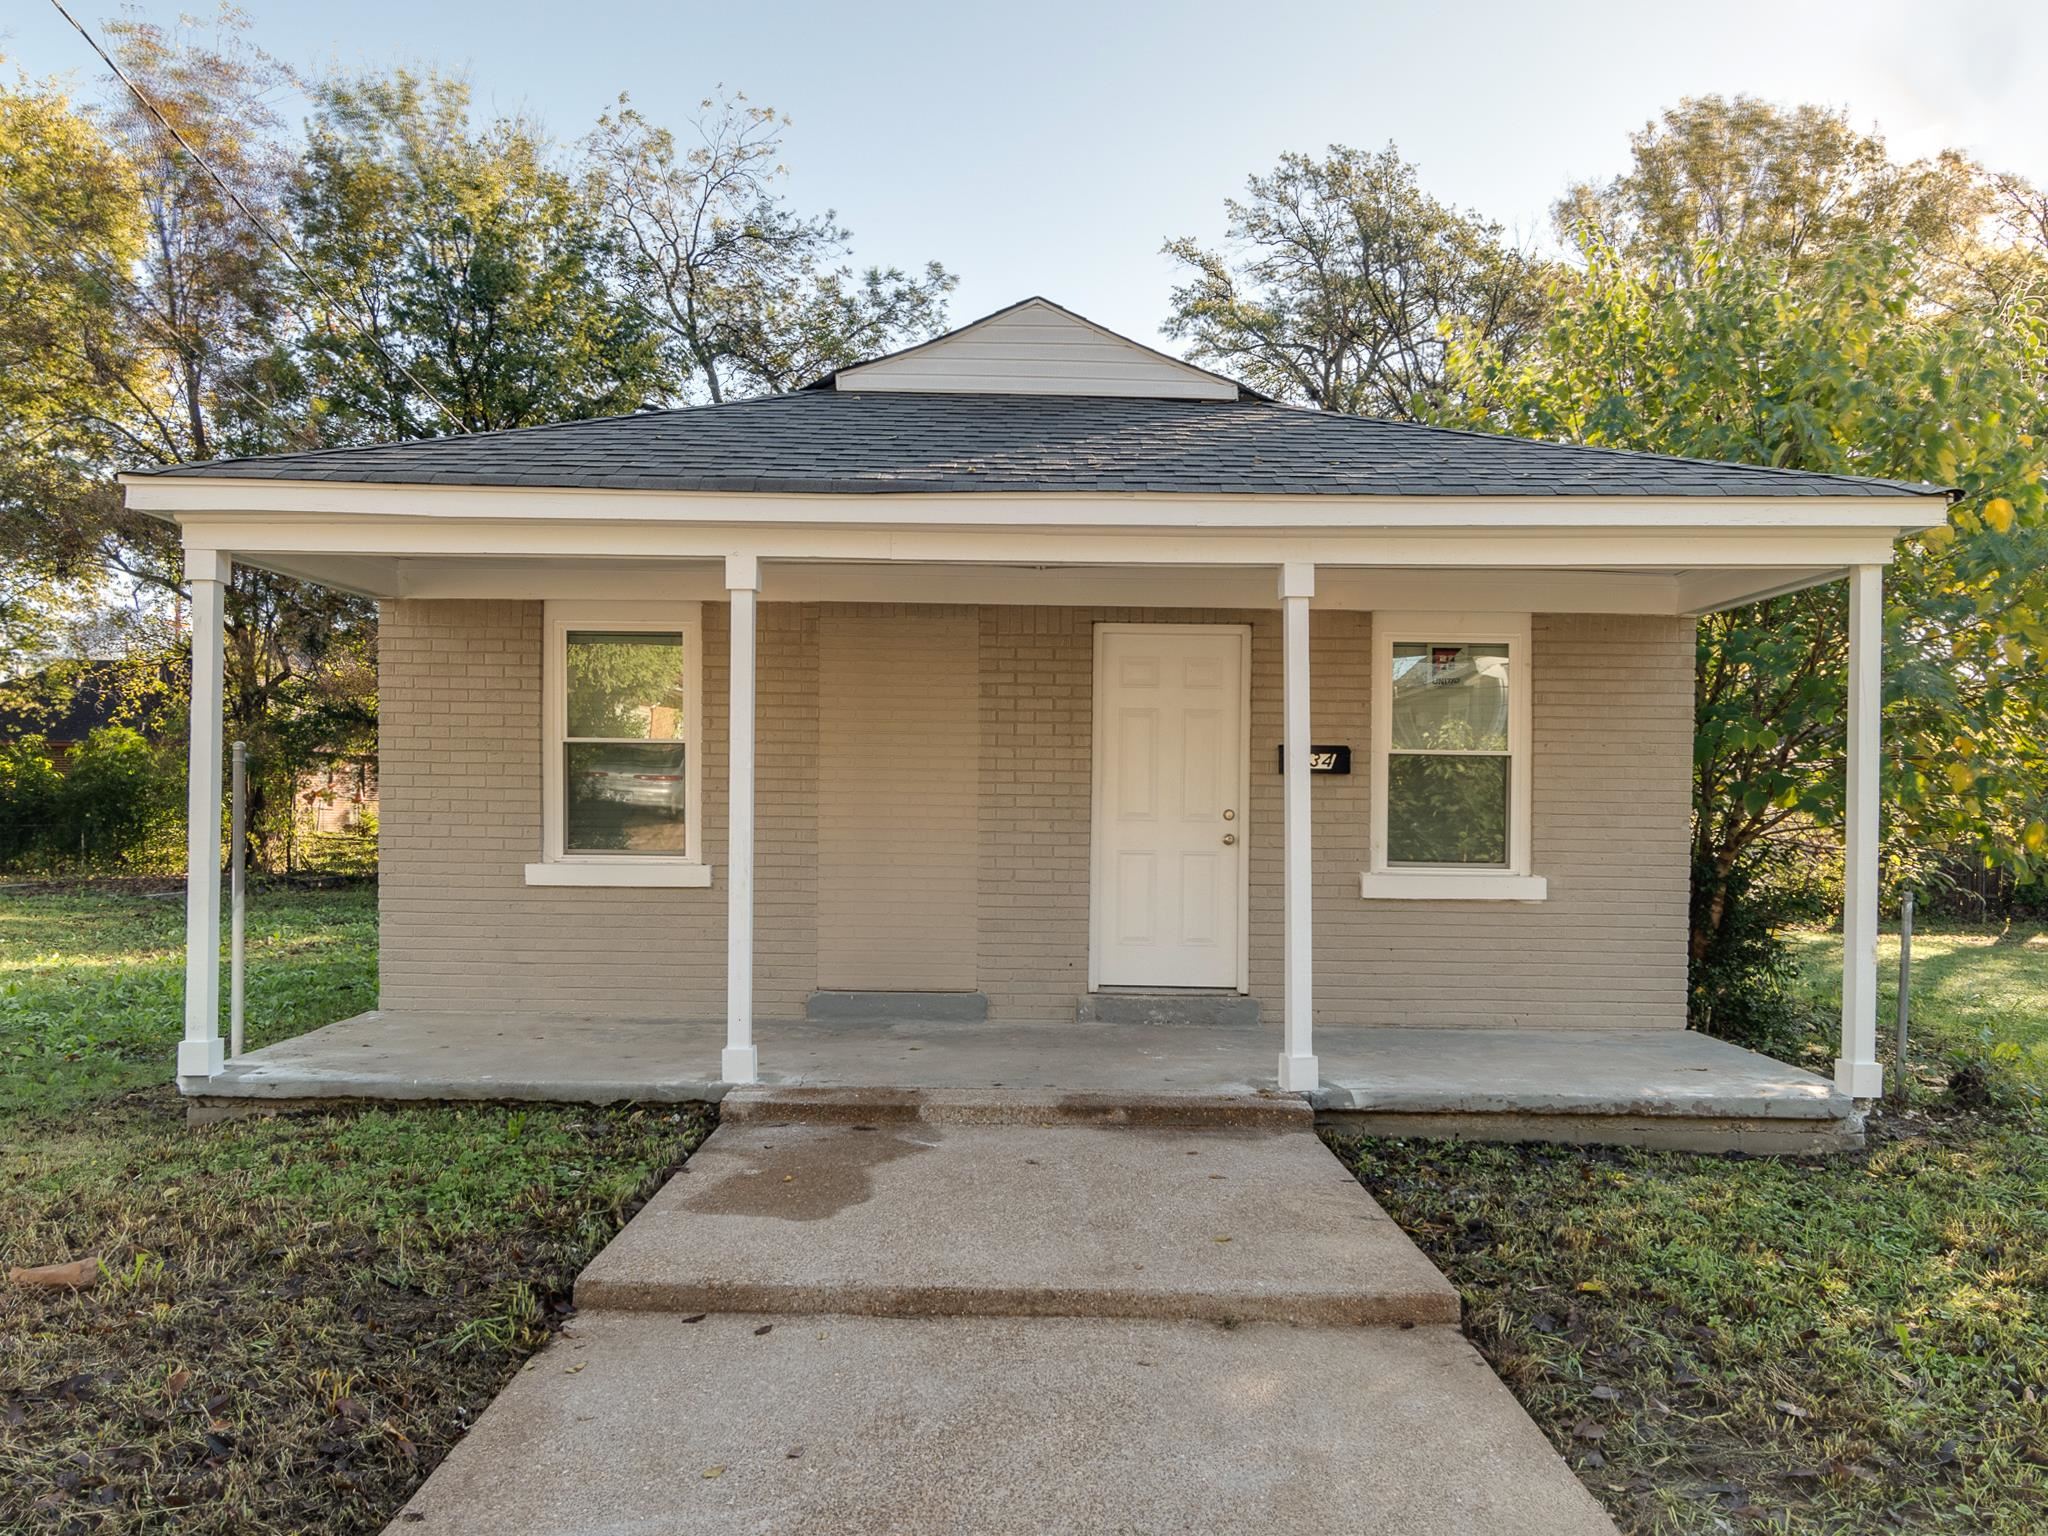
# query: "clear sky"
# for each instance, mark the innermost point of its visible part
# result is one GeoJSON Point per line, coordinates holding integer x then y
{"type": "Point", "coordinates": [1051, 147]}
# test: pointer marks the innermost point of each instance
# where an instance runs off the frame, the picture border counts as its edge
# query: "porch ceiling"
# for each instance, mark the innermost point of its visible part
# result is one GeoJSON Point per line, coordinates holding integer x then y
{"type": "Point", "coordinates": [1642, 589]}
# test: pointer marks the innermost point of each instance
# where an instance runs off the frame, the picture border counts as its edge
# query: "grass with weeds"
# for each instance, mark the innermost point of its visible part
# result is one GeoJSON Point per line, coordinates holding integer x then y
{"type": "Point", "coordinates": [1815, 1347]}
{"type": "Point", "coordinates": [297, 1316]}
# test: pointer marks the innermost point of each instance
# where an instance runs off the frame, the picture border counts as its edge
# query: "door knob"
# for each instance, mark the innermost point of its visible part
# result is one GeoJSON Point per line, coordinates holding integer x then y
{"type": "Point", "coordinates": [1229, 838]}
{"type": "Point", "coordinates": [1230, 815]}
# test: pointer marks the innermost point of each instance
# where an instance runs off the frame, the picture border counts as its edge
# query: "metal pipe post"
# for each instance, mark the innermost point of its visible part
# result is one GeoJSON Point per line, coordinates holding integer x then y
{"type": "Point", "coordinates": [1905, 992]}
{"type": "Point", "coordinates": [238, 823]}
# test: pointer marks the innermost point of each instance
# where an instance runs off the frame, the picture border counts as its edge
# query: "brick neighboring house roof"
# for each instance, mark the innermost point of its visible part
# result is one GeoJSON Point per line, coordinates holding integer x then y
{"type": "Point", "coordinates": [856, 441]}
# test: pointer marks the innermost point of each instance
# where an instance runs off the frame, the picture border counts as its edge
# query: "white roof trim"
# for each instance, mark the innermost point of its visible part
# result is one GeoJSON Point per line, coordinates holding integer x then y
{"type": "Point", "coordinates": [1036, 348]}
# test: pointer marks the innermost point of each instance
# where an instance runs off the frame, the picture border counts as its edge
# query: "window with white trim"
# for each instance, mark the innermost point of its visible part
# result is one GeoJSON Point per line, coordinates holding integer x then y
{"type": "Point", "coordinates": [1450, 757]}
{"type": "Point", "coordinates": [622, 769]}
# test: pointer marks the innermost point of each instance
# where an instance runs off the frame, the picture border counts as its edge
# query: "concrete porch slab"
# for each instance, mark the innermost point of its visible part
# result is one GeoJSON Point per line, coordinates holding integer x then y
{"type": "Point", "coordinates": [745, 1424]}
{"type": "Point", "coordinates": [1078, 1221]}
{"type": "Point", "coordinates": [1629, 1086]}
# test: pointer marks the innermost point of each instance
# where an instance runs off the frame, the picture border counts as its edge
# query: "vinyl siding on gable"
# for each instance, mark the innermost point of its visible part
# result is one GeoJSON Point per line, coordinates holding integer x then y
{"type": "Point", "coordinates": [1036, 349]}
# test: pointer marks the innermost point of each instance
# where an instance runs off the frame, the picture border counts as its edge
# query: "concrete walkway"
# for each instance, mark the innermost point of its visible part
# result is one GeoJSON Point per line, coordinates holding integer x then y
{"type": "Point", "coordinates": [933, 1321]}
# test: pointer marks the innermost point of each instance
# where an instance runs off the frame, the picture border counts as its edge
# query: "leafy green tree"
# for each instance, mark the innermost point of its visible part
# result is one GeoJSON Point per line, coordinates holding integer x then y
{"type": "Point", "coordinates": [70, 227]}
{"type": "Point", "coordinates": [458, 272]}
{"type": "Point", "coordinates": [1790, 185]}
{"type": "Point", "coordinates": [1341, 280]}
{"type": "Point", "coordinates": [748, 295]}
{"type": "Point", "coordinates": [1845, 371]}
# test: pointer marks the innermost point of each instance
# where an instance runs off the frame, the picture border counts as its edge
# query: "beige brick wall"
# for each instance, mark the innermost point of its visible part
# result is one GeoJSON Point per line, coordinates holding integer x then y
{"type": "Point", "coordinates": [461, 698]}
{"type": "Point", "coordinates": [898, 784]}
{"type": "Point", "coordinates": [1612, 726]}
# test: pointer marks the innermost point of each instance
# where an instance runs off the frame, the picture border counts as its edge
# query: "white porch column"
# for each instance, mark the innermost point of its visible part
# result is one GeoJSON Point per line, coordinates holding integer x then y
{"type": "Point", "coordinates": [740, 1063]}
{"type": "Point", "coordinates": [1857, 1071]}
{"type": "Point", "coordinates": [1298, 1070]}
{"type": "Point", "coordinates": [199, 1053]}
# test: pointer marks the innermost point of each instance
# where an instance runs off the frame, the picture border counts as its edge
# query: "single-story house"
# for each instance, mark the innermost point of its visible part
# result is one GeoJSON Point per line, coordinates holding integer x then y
{"type": "Point", "coordinates": [1032, 675]}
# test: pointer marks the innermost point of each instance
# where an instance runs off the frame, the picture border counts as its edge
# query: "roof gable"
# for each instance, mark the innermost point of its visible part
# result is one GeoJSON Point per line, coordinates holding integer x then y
{"type": "Point", "coordinates": [1036, 348]}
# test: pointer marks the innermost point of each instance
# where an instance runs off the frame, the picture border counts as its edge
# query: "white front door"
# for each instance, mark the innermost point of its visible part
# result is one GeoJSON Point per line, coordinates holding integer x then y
{"type": "Point", "coordinates": [1170, 767]}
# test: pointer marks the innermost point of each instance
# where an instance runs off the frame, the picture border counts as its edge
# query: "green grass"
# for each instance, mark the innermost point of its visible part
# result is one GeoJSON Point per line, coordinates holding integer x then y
{"type": "Point", "coordinates": [1980, 995]}
{"type": "Point", "coordinates": [92, 984]}
{"type": "Point", "coordinates": [1830, 1346]}
{"type": "Point", "coordinates": [299, 1315]}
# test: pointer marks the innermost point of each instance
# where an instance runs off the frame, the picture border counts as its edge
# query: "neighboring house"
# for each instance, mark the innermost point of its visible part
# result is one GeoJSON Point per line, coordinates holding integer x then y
{"type": "Point", "coordinates": [68, 701]}
{"type": "Point", "coordinates": [339, 798]}
{"type": "Point", "coordinates": [958, 683]}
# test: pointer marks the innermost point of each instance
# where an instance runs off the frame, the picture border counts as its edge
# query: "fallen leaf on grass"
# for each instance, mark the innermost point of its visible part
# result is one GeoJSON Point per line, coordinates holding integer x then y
{"type": "Point", "coordinates": [176, 1383]}
{"type": "Point", "coordinates": [1791, 1410]}
{"type": "Point", "coordinates": [75, 1276]}
{"type": "Point", "coordinates": [1607, 1394]}
{"type": "Point", "coordinates": [1586, 1429]}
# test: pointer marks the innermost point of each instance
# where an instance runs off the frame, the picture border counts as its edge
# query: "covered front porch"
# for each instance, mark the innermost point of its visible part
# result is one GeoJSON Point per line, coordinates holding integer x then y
{"type": "Point", "coordinates": [893, 761]}
{"type": "Point", "coordinates": [1644, 1087]}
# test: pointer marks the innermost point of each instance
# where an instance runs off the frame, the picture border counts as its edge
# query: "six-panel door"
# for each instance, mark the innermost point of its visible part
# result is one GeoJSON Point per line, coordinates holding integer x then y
{"type": "Point", "coordinates": [1169, 841]}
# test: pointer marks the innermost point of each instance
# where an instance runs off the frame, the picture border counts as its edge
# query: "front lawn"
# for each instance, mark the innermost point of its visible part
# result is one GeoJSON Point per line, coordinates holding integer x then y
{"type": "Point", "coordinates": [1835, 1346]}
{"type": "Point", "coordinates": [92, 982]}
{"type": "Point", "coordinates": [1980, 996]}
{"type": "Point", "coordinates": [298, 1316]}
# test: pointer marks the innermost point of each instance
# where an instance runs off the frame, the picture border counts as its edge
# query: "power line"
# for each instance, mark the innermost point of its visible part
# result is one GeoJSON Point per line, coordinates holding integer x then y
{"type": "Point", "coordinates": [262, 227]}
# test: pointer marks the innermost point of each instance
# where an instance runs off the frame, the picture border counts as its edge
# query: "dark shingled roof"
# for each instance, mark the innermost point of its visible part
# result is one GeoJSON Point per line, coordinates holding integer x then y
{"type": "Point", "coordinates": [853, 442]}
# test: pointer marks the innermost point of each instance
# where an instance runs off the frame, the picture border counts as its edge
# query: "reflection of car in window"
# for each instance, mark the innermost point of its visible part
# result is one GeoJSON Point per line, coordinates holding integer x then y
{"type": "Point", "coordinates": [627, 778]}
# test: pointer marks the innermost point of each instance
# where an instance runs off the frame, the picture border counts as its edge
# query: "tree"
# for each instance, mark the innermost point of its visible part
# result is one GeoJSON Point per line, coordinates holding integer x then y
{"type": "Point", "coordinates": [1845, 371]}
{"type": "Point", "coordinates": [1341, 282]}
{"type": "Point", "coordinates": [749, 295]}
{"type": "Point", "coordinates": [1789, 185]}
{"type": "Point", "coordinates": [70, 228]}
{"type": "Point", "coordinates": [460, 279]}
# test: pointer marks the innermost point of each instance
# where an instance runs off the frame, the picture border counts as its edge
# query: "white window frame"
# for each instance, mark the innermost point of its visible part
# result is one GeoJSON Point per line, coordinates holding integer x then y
{"type": "Point", "coordinates": [557, 867]}
{"type": "Point", "coordinates": [1383, 881]}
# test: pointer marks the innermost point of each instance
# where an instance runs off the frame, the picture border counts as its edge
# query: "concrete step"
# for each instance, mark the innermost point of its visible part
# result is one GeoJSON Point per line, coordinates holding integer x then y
{"type": "Point", "coordinates": [896, 1007]}
{"type": "Point", "coordinates": [1185, 1110]}
{"type": "Point", "coordinates": [1126, 1007]}
{"type": "Point", "coordinates": [1000, 1427]}
{"type": "Point", "coordinates": [912, 1219]}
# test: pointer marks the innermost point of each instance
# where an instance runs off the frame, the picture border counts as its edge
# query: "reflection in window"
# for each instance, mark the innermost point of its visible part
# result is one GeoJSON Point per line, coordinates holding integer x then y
{"type": "Point", "coordinates": [623, 776]}
{"type": "Point", "coordinates": [1448, 762]}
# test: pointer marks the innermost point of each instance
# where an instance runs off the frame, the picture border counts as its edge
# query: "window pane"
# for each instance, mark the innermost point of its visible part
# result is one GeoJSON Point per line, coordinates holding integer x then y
{"type": "Point", "coordinates": [1450, 697]}
{"type": "Point", "coordinates": [624, 798]}
{"type": "Point", "coordinates": [626, 684]}
{"type": "Point", "coordinates": [1447, 810]}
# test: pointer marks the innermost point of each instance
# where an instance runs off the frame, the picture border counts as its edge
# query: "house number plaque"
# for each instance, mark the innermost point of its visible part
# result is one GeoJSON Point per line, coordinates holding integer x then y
{"type": "Point", "coordinates": [1323, 759]}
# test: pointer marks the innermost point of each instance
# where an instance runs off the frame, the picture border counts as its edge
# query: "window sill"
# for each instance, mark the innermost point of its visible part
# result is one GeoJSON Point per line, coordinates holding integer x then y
{"type": "Point", "coordinates": [1435, 885]}
{"type": "Point", "coordinates": [645, 874]}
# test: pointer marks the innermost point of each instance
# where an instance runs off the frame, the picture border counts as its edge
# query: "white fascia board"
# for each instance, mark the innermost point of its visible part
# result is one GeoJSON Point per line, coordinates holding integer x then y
{"type": "Point", "coordinates": [186, 494]}
{"type": "Point", "coordinates": [254, 538]}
